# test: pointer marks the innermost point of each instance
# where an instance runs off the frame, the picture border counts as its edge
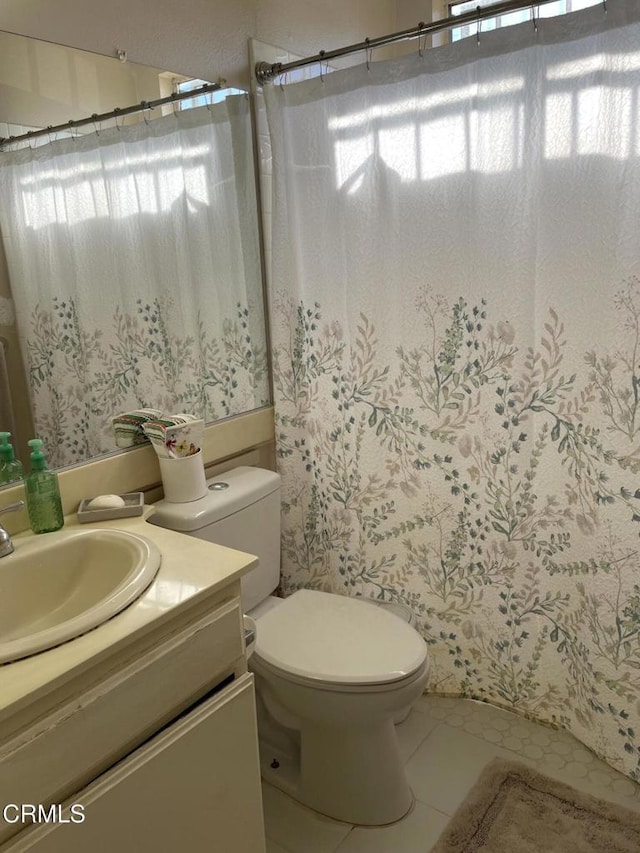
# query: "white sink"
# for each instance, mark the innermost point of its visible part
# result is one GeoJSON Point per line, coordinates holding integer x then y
{"type": "Point", "coordinates": [57, 586]}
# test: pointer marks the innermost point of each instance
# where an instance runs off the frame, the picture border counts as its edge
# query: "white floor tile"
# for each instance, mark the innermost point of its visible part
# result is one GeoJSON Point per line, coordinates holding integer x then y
{"type": "Point", "coordinates": [297, 828]}
{"type": "Point", "coordinates": [417, 833]}
{"type": "Point", "coordinates": [413, 731]}
{"type": "Point", "coordinates": [446, 765]}
{"type": "Point", "coordinates": [583, 771]}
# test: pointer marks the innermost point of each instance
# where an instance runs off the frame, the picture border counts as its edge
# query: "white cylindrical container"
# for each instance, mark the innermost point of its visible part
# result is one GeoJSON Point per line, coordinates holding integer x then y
{"type": "Point", "coordinates": [183, 478]}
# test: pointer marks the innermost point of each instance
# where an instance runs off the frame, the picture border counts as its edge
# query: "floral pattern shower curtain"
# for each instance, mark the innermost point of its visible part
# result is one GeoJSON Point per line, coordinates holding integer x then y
{"type": "Point", "coordinates": [455, 308]}
{"type": "Point", "coordinates": [135, 269]}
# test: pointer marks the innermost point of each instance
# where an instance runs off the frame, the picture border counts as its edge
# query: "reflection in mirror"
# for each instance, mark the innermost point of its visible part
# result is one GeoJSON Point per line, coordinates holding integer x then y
{"type": "Point", "coordinates": [131, 274]}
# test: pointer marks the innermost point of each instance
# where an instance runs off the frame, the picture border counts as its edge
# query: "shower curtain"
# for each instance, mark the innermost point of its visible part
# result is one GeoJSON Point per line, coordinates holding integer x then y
{"type": "Point", "coordinates": [133, 259]}
{"type": "Point", "coordinates": [455, 315]}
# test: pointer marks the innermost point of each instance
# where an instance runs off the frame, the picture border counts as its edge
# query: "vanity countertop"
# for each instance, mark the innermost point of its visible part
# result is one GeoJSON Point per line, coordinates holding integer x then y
{"type": "Point", "coordinates": [192, 571]}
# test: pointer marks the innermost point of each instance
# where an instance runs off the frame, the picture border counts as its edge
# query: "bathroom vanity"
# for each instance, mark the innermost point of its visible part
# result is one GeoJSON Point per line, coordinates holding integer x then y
{"type": "Point", "coordinates": [141, 734]}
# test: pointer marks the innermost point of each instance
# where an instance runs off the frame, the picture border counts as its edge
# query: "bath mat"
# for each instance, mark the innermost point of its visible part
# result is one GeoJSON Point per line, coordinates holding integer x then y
{"type": "Point", "coordinates": [512, 808]}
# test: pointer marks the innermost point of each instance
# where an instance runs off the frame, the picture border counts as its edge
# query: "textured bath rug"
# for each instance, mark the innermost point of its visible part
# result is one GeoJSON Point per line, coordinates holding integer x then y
{"type": "Point", "coordinates": [512, 809]}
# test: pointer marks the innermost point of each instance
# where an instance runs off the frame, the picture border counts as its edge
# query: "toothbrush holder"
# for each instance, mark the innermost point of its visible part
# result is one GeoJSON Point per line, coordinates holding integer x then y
{"type": "Point", "coordinates": [183, 478]}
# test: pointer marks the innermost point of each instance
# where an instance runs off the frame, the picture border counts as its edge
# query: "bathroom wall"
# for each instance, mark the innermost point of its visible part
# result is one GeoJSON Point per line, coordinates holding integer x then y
{"type": "Point", "coordinates": [205, 38]}
{"type": "Point", "coordinates": [40, 82]}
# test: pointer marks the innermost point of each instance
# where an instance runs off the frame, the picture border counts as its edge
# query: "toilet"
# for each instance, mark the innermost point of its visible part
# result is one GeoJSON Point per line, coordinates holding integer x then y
{"type": "Point", "coordinates": [333, 674]}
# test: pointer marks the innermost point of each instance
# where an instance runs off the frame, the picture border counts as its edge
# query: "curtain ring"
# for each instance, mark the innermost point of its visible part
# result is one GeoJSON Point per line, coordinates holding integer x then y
{"type": "Point", "coordinates": [49, 130]}
{"type": "Point", "coordinates": [283, 80]}
{"type": "Point", "coordinates": [29, 137]}
{"type": "Point", "coordinates": [604, 6]}
{"type": "Point", "coordinates": [95, 126]}
{"type": "Point", "coordinates": [420, 48]}
{"type": "Point", "coordinates": [367, 53]}
{"type": "Point", "coordinates": [321, 55]}
{"type": "Point", "coordinates": [478, 26]}
{"type": "Point", "coordinates": [116, 111]}
{"type": "Point", "coordinates": [533, 16]}
{"type": "Point", "coordinates": [174, 101]}
{"type": "Point", "coordinates": [70, 124]}
{"type": "Point", "coordinates": [145, 107]}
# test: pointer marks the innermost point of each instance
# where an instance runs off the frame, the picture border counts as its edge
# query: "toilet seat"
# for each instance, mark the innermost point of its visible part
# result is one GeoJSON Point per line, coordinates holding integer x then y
{"type": "Point", "coordinates": [339, 642]}
{"type": "Point", "coordinates": [263, 668]}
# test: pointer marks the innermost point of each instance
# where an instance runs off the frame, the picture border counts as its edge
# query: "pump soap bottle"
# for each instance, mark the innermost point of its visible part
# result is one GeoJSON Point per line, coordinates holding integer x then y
{"type": "Point", "coordinates": [10, 468]}
{"type": "Point", "coordinates": [43, 493]}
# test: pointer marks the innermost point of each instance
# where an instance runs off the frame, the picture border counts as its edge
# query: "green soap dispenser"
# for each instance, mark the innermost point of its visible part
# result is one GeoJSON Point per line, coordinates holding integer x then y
{"type": "Point", "coordinates": [10, 467]}
{"type": "Point", "coordinates": [43, 493]}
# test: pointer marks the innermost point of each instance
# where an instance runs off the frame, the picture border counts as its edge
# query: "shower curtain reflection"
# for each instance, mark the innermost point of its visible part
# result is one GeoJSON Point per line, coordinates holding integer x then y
{"type": "Point", "coordinates": [133, 259]}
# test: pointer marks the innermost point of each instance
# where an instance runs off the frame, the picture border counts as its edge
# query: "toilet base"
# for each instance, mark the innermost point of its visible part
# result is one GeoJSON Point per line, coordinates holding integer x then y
{"type": "Point", "coordinates": [279, 752]}
{"type": "Point", "coordinates": [278, 769]}
{"type": "Point", "coordinates": [355, 775]}
{"type": "Point", "coordinates": [335, 795]}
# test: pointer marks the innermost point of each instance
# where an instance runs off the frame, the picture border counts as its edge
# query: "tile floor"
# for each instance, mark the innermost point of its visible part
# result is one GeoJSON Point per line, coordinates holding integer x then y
{"type": "Point", "coordinates": [445, 743]}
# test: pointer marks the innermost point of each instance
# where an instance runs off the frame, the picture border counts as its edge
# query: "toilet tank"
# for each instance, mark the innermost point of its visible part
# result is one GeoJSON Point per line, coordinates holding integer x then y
{"type": "Point", "coordinates": [240, 510]}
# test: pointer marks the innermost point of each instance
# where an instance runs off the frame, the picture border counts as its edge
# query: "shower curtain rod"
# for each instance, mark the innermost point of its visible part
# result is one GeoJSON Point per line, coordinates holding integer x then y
{"type": "Point", "coordinates": [116, 113]}
{"type": "Point", "coordinates": [266, 71]}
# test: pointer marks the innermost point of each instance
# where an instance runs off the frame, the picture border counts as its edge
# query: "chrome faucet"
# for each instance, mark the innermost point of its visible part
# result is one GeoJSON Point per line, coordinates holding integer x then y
{"type": "Point", "coordinates": [6, 545]}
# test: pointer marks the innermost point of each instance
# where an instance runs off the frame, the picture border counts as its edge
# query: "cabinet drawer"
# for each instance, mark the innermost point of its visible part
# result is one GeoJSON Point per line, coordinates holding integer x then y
{"type": "Point", "coordinates": [195, 786]}
{"type": "Point", "coordinates": [73, 745]}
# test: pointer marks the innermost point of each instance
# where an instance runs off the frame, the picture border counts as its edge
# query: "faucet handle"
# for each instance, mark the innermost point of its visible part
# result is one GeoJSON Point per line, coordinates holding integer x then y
{"type": "Point", "coordinates": [11, 507]}
{"type": "Point", "coordinates": [6, 545]}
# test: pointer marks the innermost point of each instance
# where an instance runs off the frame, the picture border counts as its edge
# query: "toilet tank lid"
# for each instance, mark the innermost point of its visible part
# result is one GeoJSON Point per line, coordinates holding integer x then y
{"type": "Point", "coordinates": [244, 486]}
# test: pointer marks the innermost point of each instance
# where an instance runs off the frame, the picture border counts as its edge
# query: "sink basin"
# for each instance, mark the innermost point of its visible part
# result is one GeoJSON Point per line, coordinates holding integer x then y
{"type": "Point", "coordinates": [60, 585]}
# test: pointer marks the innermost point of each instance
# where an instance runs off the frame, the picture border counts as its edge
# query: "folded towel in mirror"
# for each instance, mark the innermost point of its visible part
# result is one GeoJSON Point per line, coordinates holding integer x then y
{"type": "Point", "coordinates": [127, 427]}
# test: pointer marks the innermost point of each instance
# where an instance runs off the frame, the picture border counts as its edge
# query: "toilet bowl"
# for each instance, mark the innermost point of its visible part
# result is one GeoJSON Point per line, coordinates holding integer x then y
{"type": "Point", "coordinates": [333, 673]}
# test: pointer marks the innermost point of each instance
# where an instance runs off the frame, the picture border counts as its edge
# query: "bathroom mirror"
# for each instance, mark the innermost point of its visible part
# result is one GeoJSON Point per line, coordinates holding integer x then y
{"type": "Point", "coordinates": [68, 363]}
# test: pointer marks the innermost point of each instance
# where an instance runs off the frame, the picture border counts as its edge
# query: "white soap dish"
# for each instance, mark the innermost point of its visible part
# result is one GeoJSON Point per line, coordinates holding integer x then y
{"type": "Point", "coordinates": [133, 505]}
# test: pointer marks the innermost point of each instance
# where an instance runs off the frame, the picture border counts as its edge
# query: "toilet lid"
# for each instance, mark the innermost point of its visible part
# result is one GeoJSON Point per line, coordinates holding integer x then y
{"type": "Point", "coordinates": [331, 638]}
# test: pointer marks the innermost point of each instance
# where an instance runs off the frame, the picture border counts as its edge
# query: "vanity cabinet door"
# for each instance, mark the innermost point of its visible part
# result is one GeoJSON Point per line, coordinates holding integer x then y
{"type": "Point", "coordinates": [193, 787]}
